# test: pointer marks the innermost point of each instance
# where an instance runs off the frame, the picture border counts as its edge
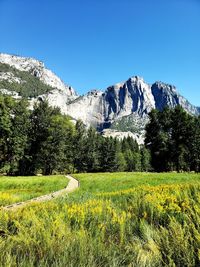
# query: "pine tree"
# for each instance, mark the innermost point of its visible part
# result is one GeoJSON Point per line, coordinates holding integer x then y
{"type": "Point", "coordinates": [194, 143]}
{"type": "Point", "coordinates": [145, 159]}
{"type": "Point", "coordinates": [52, 155]}
{"type": "Point", "coordinates": [179, 139]}
{"type": "Point", "coordinates": [121, 162]}
{"type": "Point", "coordinates": [40, 120]}
{"type": "Point", "coordinates": [79, 142]}
{"type": "Point", "coordinates": [108, 155]}
{"type": "Point", "coordinates": [6, 106]}
{"type": "Point", "coordinates": [18, 140]}
{"type": "Point", "coordinates": [91, 151]}
{"type": "Point", "coordinates": [157, 140]}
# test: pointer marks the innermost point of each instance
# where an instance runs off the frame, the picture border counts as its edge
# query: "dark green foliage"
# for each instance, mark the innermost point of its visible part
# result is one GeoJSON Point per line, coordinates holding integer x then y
{"type": "Point", "coordinates": [6, 105]}
{"type": "Point", "coordinates": [195, 145]}
{"type": "Point", "coordinates": [157, 141]}
{"type": "Point", "coordinates": [108, 154]}
{"type": "Point", "coordinates": [14, 125]}
{"type": "Point", "coordinates": [180, 134]}
{"type": "Point", "coordinates": [133, 161]}
{"type": "Point", "coordinates": [54, 150]}
{"type": "Point", "coordinates": [43, 140]}
{"type": "Point", "coordinates": [19, 135]}
{"type": "Point", "coordinates": [122, 163]}
{"type": "Point", "coordinates": [30, 86]}
{"type": "Point", "coordinates": [40, 140]}
{"type": "Point", "coordinates": [38, 134]}
{"type": "Point", "coordinates": [50, 139]}
{"type": "Point", "coordinates": [79, 143]}
{"type": "Point", "coordinates": [91, 155]}
{"type": "Point", "coordinates": [145, 159]}
{"type": "Point", "coordinates": [173, 137]}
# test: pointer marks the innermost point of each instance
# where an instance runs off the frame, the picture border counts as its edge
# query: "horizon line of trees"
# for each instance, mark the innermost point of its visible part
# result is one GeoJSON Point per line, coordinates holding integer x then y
{"type": "Point", "coordinates": [44, 141]}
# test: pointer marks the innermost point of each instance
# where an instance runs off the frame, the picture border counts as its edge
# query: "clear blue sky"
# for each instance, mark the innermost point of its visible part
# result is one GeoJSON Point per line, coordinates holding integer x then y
{"type": "Point", "coordinates": [96, 43]}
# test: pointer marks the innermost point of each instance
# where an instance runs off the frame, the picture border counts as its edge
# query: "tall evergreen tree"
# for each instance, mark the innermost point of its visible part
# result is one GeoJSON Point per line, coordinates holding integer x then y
{"type": "Point", "coordinates": [52, 156]}
{"type": "Point", "coordinates": [91, 151]}
{"type": "Point", "coordinates": [195, 145]}
{"type": "Point", "coordinates": [156, 141]}
{"type": "Point", "coordinates": [179, 139]}
{"type": "Point", "coordinates": [6, 106]}
{"type": "Point", "coordinates": [145, 159]}
{"type": "Point", "coordinates": [79, 142]}
{"type": "Point", "coordinates": [18, 140]}
{"type": "Point", "coordinates": [108, 154]}
{"type": "Point", "coordinates": [40, 120]}
{"type": "Point", "coordinates": [171, 138]}
{"type": "Point", "coordinates": [121, 162]}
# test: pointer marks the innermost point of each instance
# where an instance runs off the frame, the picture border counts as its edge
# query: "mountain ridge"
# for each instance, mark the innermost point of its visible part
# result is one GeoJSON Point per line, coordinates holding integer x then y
{"type": "Point", "coordinates": [36, 68]}
{"type": "Point", "coordinates": [119, 109]}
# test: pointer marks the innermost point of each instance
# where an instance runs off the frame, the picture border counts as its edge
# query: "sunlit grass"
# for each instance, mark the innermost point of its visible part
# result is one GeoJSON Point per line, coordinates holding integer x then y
{"type": "Point", "coordinates": [16, 189]}
{"type": "Point", "coordinates": [120, 219]}
{"type": "Point", "coordinates": [92, 183]}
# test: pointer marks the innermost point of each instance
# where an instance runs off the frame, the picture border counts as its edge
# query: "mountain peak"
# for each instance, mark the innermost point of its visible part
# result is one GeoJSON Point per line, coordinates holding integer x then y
{"type": "Point", "coordinates": [137, 78]}
{"type": "Point", "coordinates": [37, 69]}
{"type": "Point", "coordinates": [166, 86]}
{"type": "Point", "coordinates": [20, 63]}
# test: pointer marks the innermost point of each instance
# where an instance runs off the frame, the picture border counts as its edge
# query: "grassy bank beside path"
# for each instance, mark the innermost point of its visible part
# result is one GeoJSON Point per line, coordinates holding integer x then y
{"type": "Point", "coordinates": [17, 189]}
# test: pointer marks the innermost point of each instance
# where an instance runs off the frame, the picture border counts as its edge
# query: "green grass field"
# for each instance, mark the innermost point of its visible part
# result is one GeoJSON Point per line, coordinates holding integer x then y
{"type": "Point", "coordinates": [106, 182]}
{"type": "Point", "coordinates": [113, 219]}
{"type": "Point", "coordinates": [16, 189]}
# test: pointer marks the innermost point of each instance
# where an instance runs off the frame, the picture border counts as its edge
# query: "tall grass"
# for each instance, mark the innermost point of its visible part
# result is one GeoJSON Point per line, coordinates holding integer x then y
{"type": "Point", "coordinates": [146, 225]}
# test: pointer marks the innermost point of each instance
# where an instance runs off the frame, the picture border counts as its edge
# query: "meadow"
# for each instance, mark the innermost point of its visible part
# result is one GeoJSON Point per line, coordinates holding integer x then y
{"type": "Point", "coordinates": [17, 189]}
{"type": "Point", "coordinates": [113, 219]}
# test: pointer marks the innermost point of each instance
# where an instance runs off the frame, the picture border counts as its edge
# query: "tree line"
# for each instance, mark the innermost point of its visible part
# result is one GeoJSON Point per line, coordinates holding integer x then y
{"type": "Point", "coordinates": [42, 140]}
{"type": "Point", "coordinates": [173, 138]}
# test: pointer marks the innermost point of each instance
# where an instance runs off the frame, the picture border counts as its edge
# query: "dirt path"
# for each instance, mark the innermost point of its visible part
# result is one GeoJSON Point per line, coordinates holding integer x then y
{"type": "Point", "coordinates": [72, 185]}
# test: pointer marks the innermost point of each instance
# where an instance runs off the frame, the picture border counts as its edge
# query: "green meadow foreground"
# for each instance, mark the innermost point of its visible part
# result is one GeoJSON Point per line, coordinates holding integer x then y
{"type": "Point", "coordinates": [16, 189]}
{"type": "Point", "coordinates": [113, 219]}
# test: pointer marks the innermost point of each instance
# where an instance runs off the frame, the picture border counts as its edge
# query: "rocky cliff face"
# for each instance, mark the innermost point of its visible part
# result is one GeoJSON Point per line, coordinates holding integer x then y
{"type": "Point", "coordinates": [37, 69]}
{"type": "Point", "coordinates": [133, 97]}
{"type": "Point", "coordinates": [119, 110]}
{"type": "Point", "coordinates": [125, 106]}
{"type": "Point", "coordinates": [167, 95]}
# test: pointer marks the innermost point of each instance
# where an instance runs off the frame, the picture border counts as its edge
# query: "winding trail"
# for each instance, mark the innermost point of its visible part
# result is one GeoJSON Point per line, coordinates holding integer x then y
{"type": "Point", "coordinates": [72, 185]}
